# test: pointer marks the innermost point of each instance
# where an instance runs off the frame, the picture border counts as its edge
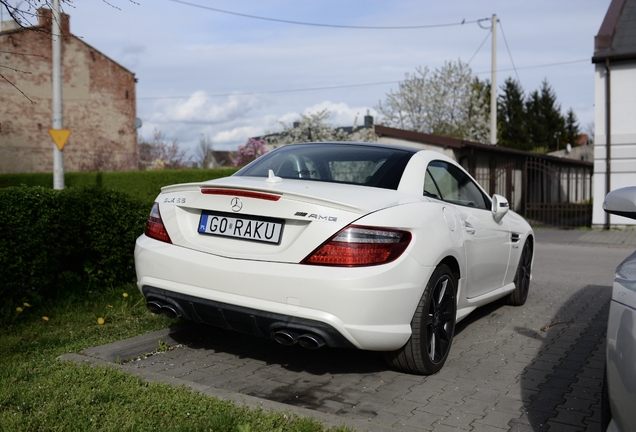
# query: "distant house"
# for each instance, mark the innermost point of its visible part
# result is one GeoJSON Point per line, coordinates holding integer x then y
{"type": "Point", "coordinates": [223, 159]}
{"type": "Point", "coordinates": [300, 134]}
{"type": "Point", "coordinates": [98, 102]}
{"type": "Point", "coordinates": [615, 107]}
{"type": "Point", "coordinates": [579, 150]}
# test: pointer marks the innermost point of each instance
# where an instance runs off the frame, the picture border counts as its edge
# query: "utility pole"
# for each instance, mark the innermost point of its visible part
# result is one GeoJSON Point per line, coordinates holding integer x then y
{"type": "Point", "coordinates": [493, 84]}
{"type": "Point", "coordinates": [56, 32]}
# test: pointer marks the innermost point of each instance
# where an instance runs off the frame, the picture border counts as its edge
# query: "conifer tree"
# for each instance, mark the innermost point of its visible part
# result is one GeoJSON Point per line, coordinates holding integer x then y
{"type": "Point", "coordinates": [546, 125]}
{"type": "Point", "coordinates": [572, 128]}
{"type": "Point", "coordinates": [511, 117]}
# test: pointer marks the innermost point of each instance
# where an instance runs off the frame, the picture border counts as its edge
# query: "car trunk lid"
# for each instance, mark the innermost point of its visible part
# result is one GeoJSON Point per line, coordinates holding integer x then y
{"type": "Point", "coordinates": [248, 218]}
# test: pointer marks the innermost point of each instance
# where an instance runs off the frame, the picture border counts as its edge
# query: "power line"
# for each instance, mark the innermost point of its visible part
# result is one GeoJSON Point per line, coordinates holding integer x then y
{"type": "Point", "coordinates": [508, 48]}
{"type": "Point", "coordinates": [344, 85]}
{"type": "Point", "coordinates": [538, 66]}
{"type": "Point", "coordinates": [328, 25]}
{"type": "Point", "coordinates": [481, 45]}
{"type": "Point", "coordinates": [276, 91]}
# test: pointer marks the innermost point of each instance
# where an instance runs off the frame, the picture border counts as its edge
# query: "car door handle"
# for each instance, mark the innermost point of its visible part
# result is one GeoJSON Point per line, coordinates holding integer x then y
{"type": "Point", "coordinates": [469, 228]}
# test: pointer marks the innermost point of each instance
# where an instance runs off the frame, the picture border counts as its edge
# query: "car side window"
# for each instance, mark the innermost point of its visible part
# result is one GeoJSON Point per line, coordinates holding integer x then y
{"type": "Point", "coordinates": [449, 183]}
{"type": "Point", "coordinates": [430, 188]}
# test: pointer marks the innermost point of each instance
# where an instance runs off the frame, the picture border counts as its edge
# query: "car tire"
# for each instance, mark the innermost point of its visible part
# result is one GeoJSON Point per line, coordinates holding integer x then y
{"type": "Point", "coordinates": [432, 326]}
{"type": "Point", "coordinates": [522, 277]}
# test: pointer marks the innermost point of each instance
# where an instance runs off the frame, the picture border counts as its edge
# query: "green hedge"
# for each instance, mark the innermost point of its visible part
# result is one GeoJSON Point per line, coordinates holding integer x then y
{"type": "Point", "coordinates": [65, 242]}
{"type": "Point", "coordinates": [143, 185]}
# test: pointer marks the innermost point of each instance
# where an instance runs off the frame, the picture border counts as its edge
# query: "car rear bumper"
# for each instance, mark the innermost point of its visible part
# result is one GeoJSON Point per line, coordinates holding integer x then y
{"type": "Point", "coordinates": [368, 307]}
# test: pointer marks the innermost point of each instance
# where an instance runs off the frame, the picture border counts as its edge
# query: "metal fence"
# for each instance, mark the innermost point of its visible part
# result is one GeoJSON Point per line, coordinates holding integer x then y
{"type": "Point", "coordinates": [557, 195]}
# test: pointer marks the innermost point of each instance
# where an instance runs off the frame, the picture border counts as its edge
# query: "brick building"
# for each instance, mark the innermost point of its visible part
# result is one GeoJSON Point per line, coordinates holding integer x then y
{"type": "Point", "coordinates": [98, 94]}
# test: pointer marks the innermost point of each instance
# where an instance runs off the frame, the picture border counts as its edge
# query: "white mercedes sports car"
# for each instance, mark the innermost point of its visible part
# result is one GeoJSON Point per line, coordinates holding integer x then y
{"type": "Point", "coordinates": [366, 246]}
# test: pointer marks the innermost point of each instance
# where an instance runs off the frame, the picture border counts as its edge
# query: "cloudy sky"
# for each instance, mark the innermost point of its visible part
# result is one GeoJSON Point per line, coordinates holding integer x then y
{"type": "Point", "coordinates": [204, 72]}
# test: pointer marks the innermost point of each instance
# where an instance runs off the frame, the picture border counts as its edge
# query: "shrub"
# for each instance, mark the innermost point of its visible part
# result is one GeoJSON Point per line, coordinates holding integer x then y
{"type": "Point", "coordinates": [143, 185]}
{"type": "Point", "coordinates": [251, 150]}
{"type": "Point", "coordinates": [63, 242]}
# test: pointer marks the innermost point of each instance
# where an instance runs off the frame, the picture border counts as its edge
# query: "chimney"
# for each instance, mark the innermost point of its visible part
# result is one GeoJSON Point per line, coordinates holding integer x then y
{"type": "Point", "coordinates": [368, 120]}
{"type": "Point", "coordinates": [45, 17]}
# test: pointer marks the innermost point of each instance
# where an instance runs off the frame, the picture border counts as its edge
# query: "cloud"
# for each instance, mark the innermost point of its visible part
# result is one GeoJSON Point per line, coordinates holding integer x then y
{"type": "Point", "coordinates": [200, 108]}
{"type": "Point", "coordinates": [237, 135]}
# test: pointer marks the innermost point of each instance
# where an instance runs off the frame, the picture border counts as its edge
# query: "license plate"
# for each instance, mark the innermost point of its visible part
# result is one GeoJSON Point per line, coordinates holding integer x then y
{"type": "Point", "coordinates": [258, 229]}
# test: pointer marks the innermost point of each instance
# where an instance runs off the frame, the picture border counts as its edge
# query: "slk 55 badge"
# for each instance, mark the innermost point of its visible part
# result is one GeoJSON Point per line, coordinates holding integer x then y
{"type": "Point", "coordinates": [174, 200]}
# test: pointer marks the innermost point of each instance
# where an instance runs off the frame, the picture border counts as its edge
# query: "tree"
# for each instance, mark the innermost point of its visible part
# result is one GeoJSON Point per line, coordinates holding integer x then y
{"type": "Point", "coordinates": [546, 125]}
{"type": "Point", "coordinates": [313, 127]}
{"type": "Point", "coordinates": [589, 130]}
{"type": "Point", "coordinates": [511, 117]}
{"type": "Point", "coordinates": [159, 154]}
{"type": "Point", "coordinates": [448, 102]}
{"type": "Point", "coordinates": [203, 153]}
{"type": "Point", "coordinates": [572, 129]}
{"type": "Point", "coordinates": [103, 157]}
{"type": "Point", "coordinates": [251, 150]}
{"type": "Point", "coordinates": [479, 112]}
{"type": "Point", "coordinates": [25, 12]}
{"type": "Point", "coordinates": [25, 15]}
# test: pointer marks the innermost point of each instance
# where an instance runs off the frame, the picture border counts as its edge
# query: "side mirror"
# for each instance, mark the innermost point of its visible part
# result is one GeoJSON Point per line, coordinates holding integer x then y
{"type": "Point", "coordinates": [500, 207]}
{"type": "Point", "coordinates": [621, 202]}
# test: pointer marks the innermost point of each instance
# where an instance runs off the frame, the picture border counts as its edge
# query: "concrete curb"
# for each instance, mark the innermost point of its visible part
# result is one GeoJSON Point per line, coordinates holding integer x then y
{"type": "Point", "coordinates": [113, 354]}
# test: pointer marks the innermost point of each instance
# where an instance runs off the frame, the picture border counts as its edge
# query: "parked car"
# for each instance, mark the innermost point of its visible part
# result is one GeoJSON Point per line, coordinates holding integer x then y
{"type": "Point", "coordinates": [365, 246]}
{"type": "Point", "coordinates": [619, 387]}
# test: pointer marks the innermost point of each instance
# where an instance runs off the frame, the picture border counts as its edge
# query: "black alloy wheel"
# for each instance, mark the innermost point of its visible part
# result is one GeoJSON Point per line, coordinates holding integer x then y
{"type": "Point", "coordinates": [522, 278]}
{"type": "Point", "coordinates": [433, 327]}
{"type": "Point", "coordinates": [440, 321]}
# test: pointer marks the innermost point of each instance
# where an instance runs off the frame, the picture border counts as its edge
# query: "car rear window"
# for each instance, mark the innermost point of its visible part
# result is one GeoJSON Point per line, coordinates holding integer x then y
{"type": "Point", "coordinates": [365, 165]}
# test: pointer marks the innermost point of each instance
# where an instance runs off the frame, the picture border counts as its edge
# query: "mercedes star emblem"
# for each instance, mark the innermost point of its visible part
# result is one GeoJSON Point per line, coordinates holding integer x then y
{"type": "Point", "coordinates": [236, 204]}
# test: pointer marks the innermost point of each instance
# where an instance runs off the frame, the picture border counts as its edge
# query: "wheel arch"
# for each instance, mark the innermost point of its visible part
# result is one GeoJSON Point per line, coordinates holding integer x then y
{"type": "Point", "coordinates": [531, 241]}
{"type": "Point", "coordinates": [453, 265]}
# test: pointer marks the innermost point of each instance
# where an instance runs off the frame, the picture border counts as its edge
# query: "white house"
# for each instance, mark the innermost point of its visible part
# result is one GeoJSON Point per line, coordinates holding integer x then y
{"type": "Point", "coordinates": [615, 107]}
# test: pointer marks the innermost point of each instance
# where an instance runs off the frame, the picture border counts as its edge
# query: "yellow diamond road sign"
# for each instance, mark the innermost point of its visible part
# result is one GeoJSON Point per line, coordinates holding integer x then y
{"type": "Point", "coordinates": [59, 136]}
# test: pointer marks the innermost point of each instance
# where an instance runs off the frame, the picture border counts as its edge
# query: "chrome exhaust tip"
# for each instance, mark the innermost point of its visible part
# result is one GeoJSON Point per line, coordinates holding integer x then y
{"type": "Point", "coordinates": [170, 312]}
{"type": "Point", "coordinates": [154, 307]}
{"type": "Point", "coordinates": [310, 341]}
{"type": "Point", "coordinates": [285, 337]}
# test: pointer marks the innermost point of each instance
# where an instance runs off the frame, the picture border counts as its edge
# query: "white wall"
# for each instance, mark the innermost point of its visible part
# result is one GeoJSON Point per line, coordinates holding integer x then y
{"type": "Point", "coordinates": [623, 135]}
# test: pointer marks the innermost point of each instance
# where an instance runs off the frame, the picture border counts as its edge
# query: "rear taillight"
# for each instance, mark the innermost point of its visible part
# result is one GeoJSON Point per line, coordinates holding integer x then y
{"type": "Point", "coordinates": [361, 246]}
{"type": "Point", "coordinates": [155, 228]}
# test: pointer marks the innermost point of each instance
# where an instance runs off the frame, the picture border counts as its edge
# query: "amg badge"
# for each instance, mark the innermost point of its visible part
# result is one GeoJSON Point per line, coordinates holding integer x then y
{"type": "Point", "coordinates": [316, 216]}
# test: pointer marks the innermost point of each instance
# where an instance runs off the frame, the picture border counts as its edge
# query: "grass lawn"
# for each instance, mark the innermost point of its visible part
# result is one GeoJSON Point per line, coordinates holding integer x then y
{"type": "Point", "coordinates": [38, 392]}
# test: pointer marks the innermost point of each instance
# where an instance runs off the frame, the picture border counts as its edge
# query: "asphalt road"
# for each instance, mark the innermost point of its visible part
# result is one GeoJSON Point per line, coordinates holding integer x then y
{"type": "Point", "coordinates": [531, 368]}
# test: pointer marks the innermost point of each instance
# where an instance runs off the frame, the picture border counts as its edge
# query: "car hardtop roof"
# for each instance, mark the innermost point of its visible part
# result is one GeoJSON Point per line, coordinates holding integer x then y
{"type": "Point", "coordinates": [427, 153]}
{"type": "Point", "coordinates": [361, 144]}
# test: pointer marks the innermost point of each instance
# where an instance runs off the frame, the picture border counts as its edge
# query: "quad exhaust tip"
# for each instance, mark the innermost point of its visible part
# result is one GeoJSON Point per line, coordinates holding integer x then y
{"type": "Point", "coordinates": [168, 310]}
{"type": "Point", "coordinates": [285, 337]}
{"type": "Point", "coordinates": [289, 338]}
{"type": "Point", "coordinates": [311, 341]}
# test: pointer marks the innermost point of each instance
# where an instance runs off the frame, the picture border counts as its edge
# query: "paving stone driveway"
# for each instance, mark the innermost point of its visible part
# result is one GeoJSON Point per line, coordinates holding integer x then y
{"type": "Point", "coordinates": [531, 368]}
